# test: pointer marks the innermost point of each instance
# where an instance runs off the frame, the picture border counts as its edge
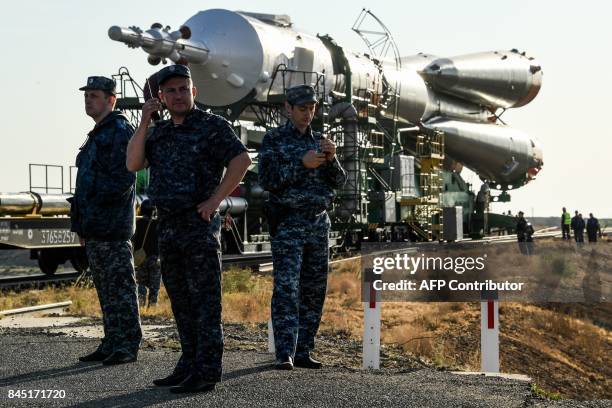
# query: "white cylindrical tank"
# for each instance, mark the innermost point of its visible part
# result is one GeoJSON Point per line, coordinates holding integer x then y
{"type": "Point", "coordinates": [245, 53]}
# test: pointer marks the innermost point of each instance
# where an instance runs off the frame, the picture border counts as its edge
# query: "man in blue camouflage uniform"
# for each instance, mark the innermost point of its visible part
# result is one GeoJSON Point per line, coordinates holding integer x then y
{"type": "Point", "coordinates": [300, 170]}
{"type": "Point", "coordinates": [186, 156]}
{"type": "Point", "coordinates": [102, 215]}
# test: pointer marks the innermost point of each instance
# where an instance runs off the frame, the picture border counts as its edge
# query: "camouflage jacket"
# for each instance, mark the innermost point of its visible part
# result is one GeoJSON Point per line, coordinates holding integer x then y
{"type": "Point", "coordinates": [186, 161]}
{"type": "Point", "coordinates": [103, 202]}
{"type": "Point", "coordinates": [282, 173]}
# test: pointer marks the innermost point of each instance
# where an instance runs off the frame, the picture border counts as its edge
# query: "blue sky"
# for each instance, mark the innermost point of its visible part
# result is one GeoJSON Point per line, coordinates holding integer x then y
{"type": "Point", "coordinates": [52, 46]}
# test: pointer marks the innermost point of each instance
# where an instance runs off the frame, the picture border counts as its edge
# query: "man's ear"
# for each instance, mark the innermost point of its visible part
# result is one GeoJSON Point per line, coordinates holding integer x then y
{"type": "Point", "coordinates": [112, 100]}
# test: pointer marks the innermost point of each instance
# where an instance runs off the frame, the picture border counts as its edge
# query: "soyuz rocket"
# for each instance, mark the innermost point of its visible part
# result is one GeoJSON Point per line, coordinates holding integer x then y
{"type": "Point", "coordinates": [233, 57]}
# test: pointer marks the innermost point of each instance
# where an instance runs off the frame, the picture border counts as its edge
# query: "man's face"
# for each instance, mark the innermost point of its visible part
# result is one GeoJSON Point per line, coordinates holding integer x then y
{"type": "Point", "coordinates": [302, 115]}
{"type": "Point", "coordinates": [178, 93]}
{"type": "Point", "coordinates": [97, 103]}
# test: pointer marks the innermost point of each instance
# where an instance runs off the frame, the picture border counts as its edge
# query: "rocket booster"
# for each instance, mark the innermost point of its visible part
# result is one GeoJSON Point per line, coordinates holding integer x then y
{"type": "Point", "coordinates": [497, 153]}
{"type": "Point", "coordinates": [496, 79]}
{"type": "Point", "coordinates": [235, 57]}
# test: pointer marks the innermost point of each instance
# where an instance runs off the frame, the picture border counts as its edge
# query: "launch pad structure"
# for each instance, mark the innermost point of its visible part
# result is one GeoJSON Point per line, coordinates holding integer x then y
{"type": "Point", "coordinates": [404, 126]}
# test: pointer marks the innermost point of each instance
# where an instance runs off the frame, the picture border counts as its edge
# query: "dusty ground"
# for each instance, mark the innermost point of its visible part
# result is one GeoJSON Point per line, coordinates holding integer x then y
{"type": "Point", "coordinates": [565, 348]}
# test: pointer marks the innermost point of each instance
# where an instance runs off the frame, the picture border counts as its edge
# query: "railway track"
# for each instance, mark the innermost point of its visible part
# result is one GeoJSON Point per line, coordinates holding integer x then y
{"type": "Point", "coordinates": [36, 281]}
{"type": "Point", "coordinates": [261, 260]}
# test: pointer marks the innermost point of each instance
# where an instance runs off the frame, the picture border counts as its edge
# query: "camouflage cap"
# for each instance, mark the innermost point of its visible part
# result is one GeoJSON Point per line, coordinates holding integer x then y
{"type": "Point", "coordinates": [301, 94]}
{"type": "Point", "coordinates": [173, 70]}
{"type": "Point", "coordinates": [101, 83]}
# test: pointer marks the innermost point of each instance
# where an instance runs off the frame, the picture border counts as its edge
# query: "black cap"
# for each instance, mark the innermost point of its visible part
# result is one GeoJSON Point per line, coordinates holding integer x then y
{"type": "Point", "coordinates": [101, 83]}
{"type": "Point", "coordinates": [172, 71]}
{"type": "Point", "coordinates": [301, 94]}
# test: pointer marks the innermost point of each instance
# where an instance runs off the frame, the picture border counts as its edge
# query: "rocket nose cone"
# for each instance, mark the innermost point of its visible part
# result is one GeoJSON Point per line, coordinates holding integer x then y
{"type": "Point", "coordinates": [538, 154]}
{"type": "Point", "coordinates": [440, 72]}
{"type": "Point", "coordinates": [537, 160]}
{"type": "Point", "coordinates": [431, 69]}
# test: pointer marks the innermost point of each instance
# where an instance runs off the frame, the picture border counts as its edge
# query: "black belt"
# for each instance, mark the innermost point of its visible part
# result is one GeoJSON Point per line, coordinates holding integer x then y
{"type": "Point", "coordinates": [282, 211]}
{"type": "Point", "coordinates": [307, 213]}
{"type": "Point", "coordinates": [277, 213]}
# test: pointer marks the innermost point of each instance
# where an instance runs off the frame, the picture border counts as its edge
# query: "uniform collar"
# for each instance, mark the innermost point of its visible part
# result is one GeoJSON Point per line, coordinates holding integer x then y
{"type": "Point", "coordinates": [112, 115]}
{"type": "Point", "coordinates": [291, 127]}
{"type": "Point", "coordinates": [106, 120]}
{"type": "Point", "coordinates": [194, 114]}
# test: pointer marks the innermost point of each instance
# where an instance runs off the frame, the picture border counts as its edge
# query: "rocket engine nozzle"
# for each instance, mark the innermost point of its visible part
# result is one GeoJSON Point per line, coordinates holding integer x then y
{"type": "Point", "coordinates": [162, 43]}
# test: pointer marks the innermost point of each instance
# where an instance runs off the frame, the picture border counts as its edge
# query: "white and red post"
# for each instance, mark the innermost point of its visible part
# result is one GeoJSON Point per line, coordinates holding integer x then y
{"type": "Point", "coordinates": [371, 326]}
{"type": "Point", "coordinates": [489, 336]}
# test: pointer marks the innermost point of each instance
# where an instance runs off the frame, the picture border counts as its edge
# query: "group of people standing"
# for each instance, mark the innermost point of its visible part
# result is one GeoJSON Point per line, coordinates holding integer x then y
{"type": "Point", "coordinates": [195, 160]}
{"type": "Point", "coordinates": [525, 231]}
{"type": "Point", "coordinates": [577, 225]}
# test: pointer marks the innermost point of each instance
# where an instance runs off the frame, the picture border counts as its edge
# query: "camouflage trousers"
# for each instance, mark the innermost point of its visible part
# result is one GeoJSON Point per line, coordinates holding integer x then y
{"type": "Point", "coordinates": [112, 269]}
{"type": "Point", "coordinates": [300, 255]}
{"type": "Point", "coordinates": [191, 271]}
{"type": "Point", "coordinates": [148, 276]}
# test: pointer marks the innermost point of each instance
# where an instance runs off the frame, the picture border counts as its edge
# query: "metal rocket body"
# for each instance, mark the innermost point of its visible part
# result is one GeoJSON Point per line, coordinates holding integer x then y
{"type": "Point", "coordinates": [234, 56]}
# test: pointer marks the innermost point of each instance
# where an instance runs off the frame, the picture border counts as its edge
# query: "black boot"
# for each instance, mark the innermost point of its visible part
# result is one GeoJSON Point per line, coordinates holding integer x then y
{"type": "Point", "coordinates": [307, 362]}
{"type": "Point", "coordinates": [119, 357]}
{"type": "Point", "coordinates": [284, 363]}
{"type": "Point", "coordinates": [95, 356]}
{"type": "Point", "coordinates": [172, 379]}
{"type": "Point", "coordinates": [193, 383]}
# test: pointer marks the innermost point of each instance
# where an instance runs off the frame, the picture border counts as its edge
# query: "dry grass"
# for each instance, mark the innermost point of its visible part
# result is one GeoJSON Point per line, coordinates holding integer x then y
{"type": "Point", "coordinates": [566, 349]}
{"type": "Point", "coordinates": [343, 312]}
{"type": "Point", "coordinates": [246, 298]}
{"type": "Point", "coordinates": [84, 300]}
